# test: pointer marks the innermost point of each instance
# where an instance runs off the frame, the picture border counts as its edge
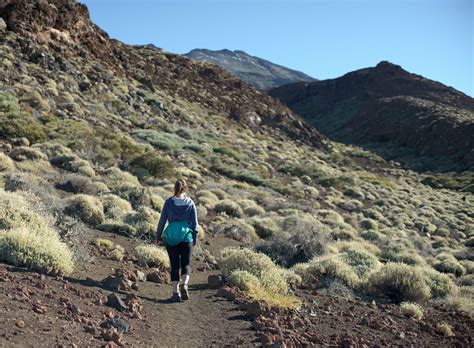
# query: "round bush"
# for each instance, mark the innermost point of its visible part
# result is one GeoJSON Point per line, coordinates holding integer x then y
{"type": "Point", "coordinates": [152, 256]}
{"type": "Point", "coordinates": [5, 162]}
{"type": "Point", "coordinates": [411, 310]}
{"type": "Point", "coordinates": [244, 281]}
{"type": "Point", "coordinates": [447, 263]}
{"type": "Point", "coordinates": [441, 285]}
{"type": "Point", "coordinates": [229, 207]}
{"type": "Point", "coordinates": [24, 153]}
{"type": "Point", "coordinates": [238, 230]}
{"type": "Point", "coordinates": [89, 209]}
{"type": "Point", "coordinates": [329, 268]}
{"type": "Point", "coordinates": [42, 252]}
{"type": "Point", "coordinates": [233, 259]}
{"type": "Point", "coordinates": [399, 282]}
{"type": "Point", "coordinates": [115, 207]}
{"type": "Point", "coordinates": [360, 261]}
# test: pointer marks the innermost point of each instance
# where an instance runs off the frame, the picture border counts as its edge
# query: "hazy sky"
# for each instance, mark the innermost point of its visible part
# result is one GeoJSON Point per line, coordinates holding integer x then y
{"type": "Point", "coordinates": [323, 38]}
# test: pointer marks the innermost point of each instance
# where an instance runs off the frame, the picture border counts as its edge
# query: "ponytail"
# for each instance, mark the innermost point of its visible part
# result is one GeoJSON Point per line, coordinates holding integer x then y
{"type": "Point", "coordinates": [180, 187]}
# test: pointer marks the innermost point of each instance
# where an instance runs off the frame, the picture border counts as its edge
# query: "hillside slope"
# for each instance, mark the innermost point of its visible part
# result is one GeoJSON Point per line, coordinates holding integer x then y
{"type": "Point", "coordinates": [256, 71]}
{"type": "Point", "coordinates": [400, 115]}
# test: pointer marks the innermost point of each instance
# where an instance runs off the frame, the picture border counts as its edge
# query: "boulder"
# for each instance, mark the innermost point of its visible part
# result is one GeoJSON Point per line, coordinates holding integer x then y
{"type": "Point", "coordinates": [214, 281]}
{"type": "Point", "coordinates": [157, 276]}
{"type": "Point", "coordinates": [3, 25]}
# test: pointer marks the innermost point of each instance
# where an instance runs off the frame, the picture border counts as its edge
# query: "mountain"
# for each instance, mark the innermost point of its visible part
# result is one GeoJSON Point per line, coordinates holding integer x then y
{"type": "Point", "coordinates": [400, 115]}
{"type": "Point", "coordinates": [258, 72]}
{"type": "Point", "coordinates": [302, 241]}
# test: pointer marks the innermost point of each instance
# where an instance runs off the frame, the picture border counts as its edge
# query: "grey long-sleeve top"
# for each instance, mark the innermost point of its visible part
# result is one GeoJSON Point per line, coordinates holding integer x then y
{"type": "Point", "coordinates": [178, 209]}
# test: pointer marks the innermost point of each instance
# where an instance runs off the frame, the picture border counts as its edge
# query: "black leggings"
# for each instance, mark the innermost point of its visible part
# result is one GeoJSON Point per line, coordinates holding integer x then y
{"type": "Point", "coordinates": [180, 255]}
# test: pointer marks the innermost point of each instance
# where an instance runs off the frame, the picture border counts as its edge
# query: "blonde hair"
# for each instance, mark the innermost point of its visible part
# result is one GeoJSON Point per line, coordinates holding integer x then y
{"type": "Point", "coordinates": [180, 187]}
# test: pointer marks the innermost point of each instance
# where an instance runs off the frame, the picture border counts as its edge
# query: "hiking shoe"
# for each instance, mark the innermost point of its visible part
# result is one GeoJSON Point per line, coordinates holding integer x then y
{"type": "Point", "coordinates": [184, 292]}
{"type": "Point", "coordinates": [176, 297]}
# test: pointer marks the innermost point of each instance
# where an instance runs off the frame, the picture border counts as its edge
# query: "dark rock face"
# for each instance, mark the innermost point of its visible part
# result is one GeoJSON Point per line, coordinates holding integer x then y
{"type": "Point", "coordinates": [258, 72]}
{"type": "Point", "coordinates": [388, 107]}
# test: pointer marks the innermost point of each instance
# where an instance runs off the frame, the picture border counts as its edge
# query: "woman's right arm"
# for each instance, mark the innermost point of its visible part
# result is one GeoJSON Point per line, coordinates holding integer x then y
{"type": "Point", "coordinates": [163, 218]}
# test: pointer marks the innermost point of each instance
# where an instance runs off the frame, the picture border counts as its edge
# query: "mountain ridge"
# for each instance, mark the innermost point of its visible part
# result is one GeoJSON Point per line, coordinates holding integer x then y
{"type": "Point", "coordinates": [259, 72]}
{"type": "Point", "coordinates": [421, 114]}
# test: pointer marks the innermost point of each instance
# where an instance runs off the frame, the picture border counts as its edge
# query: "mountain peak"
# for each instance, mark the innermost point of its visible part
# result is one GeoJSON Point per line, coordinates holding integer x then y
{"type": "Point", "coordinates": [256, 71]}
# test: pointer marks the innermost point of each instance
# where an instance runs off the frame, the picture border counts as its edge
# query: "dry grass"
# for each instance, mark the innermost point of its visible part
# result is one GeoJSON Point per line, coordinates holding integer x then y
{"type": "Point", "coordinates": [411, 310]}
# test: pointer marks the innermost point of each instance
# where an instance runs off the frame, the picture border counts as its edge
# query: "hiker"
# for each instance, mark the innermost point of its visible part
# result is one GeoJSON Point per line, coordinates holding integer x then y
{"type": "Point", "coordinates": [179, 237]}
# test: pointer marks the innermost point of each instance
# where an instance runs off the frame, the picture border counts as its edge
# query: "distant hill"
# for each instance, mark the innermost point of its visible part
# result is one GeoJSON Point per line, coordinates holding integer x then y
{"type": "Point", "coordinates": [387, 109]}
{"type": "Point", "coordinates": [258, 72]}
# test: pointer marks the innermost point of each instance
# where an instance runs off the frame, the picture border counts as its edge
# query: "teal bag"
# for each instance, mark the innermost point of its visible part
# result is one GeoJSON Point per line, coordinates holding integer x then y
{"type": "Point", "coordinates": [177, 232]}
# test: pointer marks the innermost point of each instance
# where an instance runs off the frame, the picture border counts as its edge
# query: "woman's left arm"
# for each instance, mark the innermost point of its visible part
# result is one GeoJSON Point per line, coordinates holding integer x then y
{"type": "Point", "coordinates": [163, 218]}
{"type": "Point", "coordinates": [194, 223]}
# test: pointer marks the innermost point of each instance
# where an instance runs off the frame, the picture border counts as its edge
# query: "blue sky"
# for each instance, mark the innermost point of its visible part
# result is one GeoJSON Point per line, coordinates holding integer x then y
{"type": "Point", "coordinates": [323, 38]}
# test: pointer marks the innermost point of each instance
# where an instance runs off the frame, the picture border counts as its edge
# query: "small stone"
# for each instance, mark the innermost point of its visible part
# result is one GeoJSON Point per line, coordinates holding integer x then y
{"type": "Point", "coordinates": [121, 325]}
{"type": "Point", "coordinates": [116, 302]}
{"type": "Point", "coordinates": [214, 281]}
{"type": "Point", "coordinates": [73, 308]}
{"type": "Point", "coordinates": [135, 286]}
{"type": "Point", "coordinates": [20, 324]}
{"type": "Point", "coordinates": [141, 277]}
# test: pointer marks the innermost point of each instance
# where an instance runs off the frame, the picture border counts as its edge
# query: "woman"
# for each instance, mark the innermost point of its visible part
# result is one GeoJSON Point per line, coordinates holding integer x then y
{"type": "Point", "coordinates": [179, 237]}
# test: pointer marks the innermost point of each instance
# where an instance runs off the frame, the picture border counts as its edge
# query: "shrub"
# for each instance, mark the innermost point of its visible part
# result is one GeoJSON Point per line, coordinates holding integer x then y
{"type": "Point", "coordinates": [221, 194]}
{"type": "Point", "coordinates": [36, 250]}
{"type": "Point", "coordinates": [238, 230]}
{"type": "Point", "coordinates": [233, 259]}
{"type": "Point", "coordinates": [28, 239]}
{"type": "Point", "coordinates": [82, 184]}
{"type": "Point", "coordinates": [444, 329]}
{"type": "Point", "coordinates": [115, 207]}
{"type": "Point", "coordinates": [5, 163]}
{"type": "Point", "coordinates": [399, 282]}
{"type": "Point", "coordinates": [152, 256]}
{"type": "Point", "coordinates": [251, 286]}
{"type": "Point", "coordinates": [86, 208]}
{"type": "Point", "coordinates": [15, 212]}
{"type": "Point", "coordinates": [157, 166]}
{"type": "Point", "coordinates": [440, 284]}
{"type": "Point", "coordinates": [407, 257]}
{"type": "Point", "coordinates": [447, 263]}
{"type": "Point", "coordinates": [102, 242]}
{"type": "Point", "coordinates": [264, 227]}
{"type": "Point", "coordinates": [144, 221]}
{"type": "Point", "coordinates": [117, 253]}
{"type": "Point", "coordinates": [73, 163]}
{"type": "Point", "coordinates": [254, 210]}
{"type": "Point", "coordinates": [114, 177]}
{"type": "Point", "coordinates": [229, 207]}
{"type": "Point", "coordinates": [303, 242]}
{"type": "Point", "coordinates": [24, 153]}
{"type": "Point", "coordinates": [369, 224]}
{"type": "Point", "coordinates": [327, 269]}
{"type": "Point", "coordinates": [245, 281]}
{"type": "Point", "coordinates": [207, 198]}
{"type": "Point", "coordinates": [130, 192]}
{"type": "Point", "coordinates": [361, 262]}
{"type": "Point", "coordinates": [412, 310]}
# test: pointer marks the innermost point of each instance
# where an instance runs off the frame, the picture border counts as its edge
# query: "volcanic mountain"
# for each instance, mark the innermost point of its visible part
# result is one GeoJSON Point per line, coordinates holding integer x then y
{"type": "Point", "coordinates": [258, 72]}
{"type": "Point", "coordinates": [400, 115]}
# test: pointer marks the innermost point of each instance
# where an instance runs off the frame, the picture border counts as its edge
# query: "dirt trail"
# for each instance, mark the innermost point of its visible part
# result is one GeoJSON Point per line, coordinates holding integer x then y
{"type": "Point", "coordinates": [204, 320]}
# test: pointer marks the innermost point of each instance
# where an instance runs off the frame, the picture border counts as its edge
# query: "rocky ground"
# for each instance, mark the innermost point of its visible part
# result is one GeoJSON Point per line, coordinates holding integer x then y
{"type": "Point", "coordinates": [85, 309]}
